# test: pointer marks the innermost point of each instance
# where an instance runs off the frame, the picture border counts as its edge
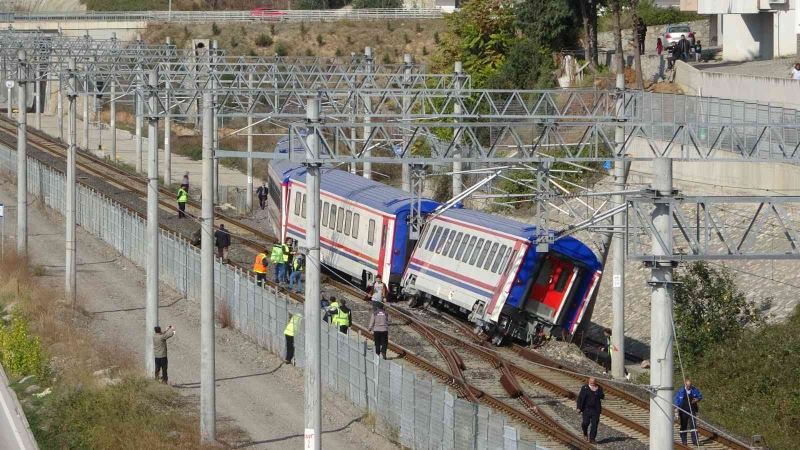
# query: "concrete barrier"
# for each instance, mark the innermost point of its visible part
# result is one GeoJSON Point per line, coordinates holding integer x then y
{"type": "Point", "coordinates": [776, 91]}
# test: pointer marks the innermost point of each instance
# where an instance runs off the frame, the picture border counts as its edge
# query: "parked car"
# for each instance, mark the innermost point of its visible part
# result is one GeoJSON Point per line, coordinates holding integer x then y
{"type": "Point", "coordinates": [672, 34]}
{"type": "Point", "coordinates": [267, 14]}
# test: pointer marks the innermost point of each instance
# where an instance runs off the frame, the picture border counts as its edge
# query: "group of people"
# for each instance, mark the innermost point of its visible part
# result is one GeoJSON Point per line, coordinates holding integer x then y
{"type": "Point", "coordinates": [288, 261]}
{"type": "Point", "coordinates": [686, 403]}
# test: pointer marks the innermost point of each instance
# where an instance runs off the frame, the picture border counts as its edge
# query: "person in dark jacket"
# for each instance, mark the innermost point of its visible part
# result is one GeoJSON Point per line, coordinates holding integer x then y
{"type": "Point", "coordinates": [262, 193]}
{"type": "Point", "coordinates": [687, 401]}
{"type": "Point", "coordinates": [379, 326]}
{"type": "Point", "coordinates": [222, 240]}
{"type": "Point", "coordinates": [589, 405]}
{"type": "Point", "coordinates": [641, 33]}
{"type": "Point", "coordinates": [682, 48]}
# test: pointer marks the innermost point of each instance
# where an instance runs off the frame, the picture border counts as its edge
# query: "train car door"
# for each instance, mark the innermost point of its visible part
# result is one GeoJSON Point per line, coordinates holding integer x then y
{"type": "Point", "coordinates": [552, 288]}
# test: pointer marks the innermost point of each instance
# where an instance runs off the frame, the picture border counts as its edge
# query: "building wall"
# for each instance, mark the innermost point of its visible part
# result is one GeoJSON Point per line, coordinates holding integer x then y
{"type": "Point", "coordinates": [746, 36]}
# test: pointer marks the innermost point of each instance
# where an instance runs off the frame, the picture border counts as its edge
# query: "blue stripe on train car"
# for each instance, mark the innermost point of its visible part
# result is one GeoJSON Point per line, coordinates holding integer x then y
{"type": "Point", "coordinates": [450, 280]}
{"type": "Point", "coordinates": [372, 194]}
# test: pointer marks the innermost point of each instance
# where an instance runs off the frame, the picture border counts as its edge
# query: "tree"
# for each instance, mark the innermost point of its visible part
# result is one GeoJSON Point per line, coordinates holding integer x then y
{"type": "Point", "coordinates": [709, 309]}
{"type": "Point", "coordinates": [589, 18]}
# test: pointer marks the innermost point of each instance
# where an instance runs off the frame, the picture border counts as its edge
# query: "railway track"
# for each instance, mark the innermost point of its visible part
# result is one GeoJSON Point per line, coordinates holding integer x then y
{"type": "Point", "coordinates": [517, 381]}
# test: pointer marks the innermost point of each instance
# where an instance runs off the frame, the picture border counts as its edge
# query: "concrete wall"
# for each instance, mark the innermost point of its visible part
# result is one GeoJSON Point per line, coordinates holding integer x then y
{"type": "Point", "coordinates": [746, 37]}
{"type": "Point", "coordinates": [777, 91]}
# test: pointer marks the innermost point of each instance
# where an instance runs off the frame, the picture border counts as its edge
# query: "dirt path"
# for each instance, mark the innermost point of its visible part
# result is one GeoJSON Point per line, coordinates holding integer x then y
{"type": "Point", "coordinates": [254, 389]}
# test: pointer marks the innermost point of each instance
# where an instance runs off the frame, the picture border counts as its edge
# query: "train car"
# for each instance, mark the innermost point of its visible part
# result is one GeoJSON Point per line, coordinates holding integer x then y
{"type": "Point", "coordinates": [487, 268]}
{"type": "Point", "coordinates": [363, 224]}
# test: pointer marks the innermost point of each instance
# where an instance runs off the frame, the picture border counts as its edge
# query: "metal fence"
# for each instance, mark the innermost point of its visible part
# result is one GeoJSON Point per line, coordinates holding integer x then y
{"type": "Point", "coordinates": [414, 410]}
{"type": "Point", "coordinates": [289, 15]}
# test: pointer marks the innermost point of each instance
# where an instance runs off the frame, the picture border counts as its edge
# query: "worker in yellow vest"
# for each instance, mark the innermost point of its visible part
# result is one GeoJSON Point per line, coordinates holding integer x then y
{"type": "Point", "coordinates": [260, 267]}
{"type": "Point", "coordinates": [183, 197]}
{"type": "Point", "coordinates": [342, 317]}
{"type": "Point", "coordinates": [331, 312]}
{"type": "Point", "coordinates": [291, 328]}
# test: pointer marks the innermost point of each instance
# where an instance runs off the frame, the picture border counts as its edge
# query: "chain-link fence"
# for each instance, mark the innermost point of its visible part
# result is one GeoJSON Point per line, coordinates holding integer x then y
{"type": "Point", "coordinates": [415, 411]}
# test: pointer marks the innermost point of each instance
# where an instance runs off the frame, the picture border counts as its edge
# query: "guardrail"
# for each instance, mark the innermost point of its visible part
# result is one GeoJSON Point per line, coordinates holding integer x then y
{"type": "Point", "coordinates": [294, 15]}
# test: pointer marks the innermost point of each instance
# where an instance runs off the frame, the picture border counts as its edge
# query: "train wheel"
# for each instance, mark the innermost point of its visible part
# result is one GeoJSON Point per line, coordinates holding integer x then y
{"type": "Point", "coordinates": [497, 339]}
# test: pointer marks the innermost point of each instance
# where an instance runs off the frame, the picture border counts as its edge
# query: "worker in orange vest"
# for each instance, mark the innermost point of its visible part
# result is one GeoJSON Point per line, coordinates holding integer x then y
{"type": "Point", "coordinates": [260, 267]}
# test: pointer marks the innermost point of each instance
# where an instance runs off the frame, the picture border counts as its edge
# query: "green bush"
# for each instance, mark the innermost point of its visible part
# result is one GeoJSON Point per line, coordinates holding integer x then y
{"type": "Point", "coordinates": [281, 49]}
{"type": "Point", "coordinates": [653, 14]}
{"type": "Point", "coordinates": [215, 30]}
{"type": "Point", "coordinates": [264, 40]}
{"type": "Point", "coordinates": [22, 353]}
{"type": "Point", "coordinates": [406, 39]}
{"type": "Point", "coordinates": [338, 52]}
{"type": "Point", "coordinates": [320, 41]}
{"type": "Point", "coordinates": [309, 53]}
{"type": "Point", "coordinates": [387, 59]}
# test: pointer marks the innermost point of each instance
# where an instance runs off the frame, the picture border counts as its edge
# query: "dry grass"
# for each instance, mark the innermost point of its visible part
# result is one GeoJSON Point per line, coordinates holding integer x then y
{"type": "Point", "coordinates": [389, 38]}
{"type": "Point", "coordinates": [83, 411]}
{"type": "Point", "coordinates": [224, 318]}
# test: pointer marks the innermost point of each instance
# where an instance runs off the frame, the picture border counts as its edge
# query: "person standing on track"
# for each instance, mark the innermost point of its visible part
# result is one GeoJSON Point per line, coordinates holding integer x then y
{"type": "Point", "coordinates": [185, 181]}
{"type": "Point", "coordinates": [183, 197]}
{"type": "Point", "coordinates": [291, 328]}
{"type": "Point", "coordinates": [589, 405]}
{"type": "Point", "coordinates": [276, 257]}
{"type": "Point", "coordinates": [223, 242]}
{"type": "Point", "coordinates": [342, 316]}
{"type": "Point", "coordinates": [298, 268]}
{"type": "Point", "coordinates": [379, 326]}
{"type": "Point", "coordinates": [377, 293]}
{"type": "Point", "coordinates": [686, 402]}
{"type": "Point", "coordinates": [160, 351]}
{"type": "Point", "coordinates": [260, 268]}
{"type": "Point", "coordinates": [262, 194]}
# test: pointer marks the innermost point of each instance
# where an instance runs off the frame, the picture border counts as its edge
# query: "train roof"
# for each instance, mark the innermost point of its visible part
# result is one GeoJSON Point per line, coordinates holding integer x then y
{"type": "Point", "coordinates": [355, 188]}
{"type": "Point", "coordinates": [567, 246]}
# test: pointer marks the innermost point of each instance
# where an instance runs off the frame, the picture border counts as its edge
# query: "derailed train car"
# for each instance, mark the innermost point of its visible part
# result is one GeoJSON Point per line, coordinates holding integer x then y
{"type": "Point", "coordinates": [479, 265]}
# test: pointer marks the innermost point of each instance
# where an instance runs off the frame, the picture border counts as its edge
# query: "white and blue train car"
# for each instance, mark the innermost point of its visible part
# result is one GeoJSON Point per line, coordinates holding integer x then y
{"type": "Point", "coordinates": [364, 229]}
{"type": "Point", "coordinates": [487, 267]}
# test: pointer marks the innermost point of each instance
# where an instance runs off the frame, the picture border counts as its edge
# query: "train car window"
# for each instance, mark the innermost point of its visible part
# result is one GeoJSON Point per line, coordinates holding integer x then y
{"type": "Point", "coordinates": [324, 221]}
{"type": "Point", "coordinates": [371, 232]}
{"type": "Point", "coordinates": [437, 231]}
{"type": "Point", "coordinates": [332, 218]}
{"type": "Point", "coordinates": [297, 203]}
{"type": "Point", "coordinates": [476, 253]}
{"type": "Point", "coordinates": [543, 279]}
{"type": "Point", "coordinates": [429, 236]}
{"type": "Point", "coordinates": [470, 246]}
{"type": "Point", "coordinates": [563, 277]}
{"type": "Point", "coordinates": [510, 261]}
{"type": "Point", "coordinates": [442, 241]}
{"type": "Point", "coordinates": [484, 252]}
{"type": "Point", "coordinates": [303, 208]}
{"type": "Point", "coordinates": [491, 257]}
{"type": "Point", "coordinates": [340, 219]}
{"type": "Point", "coordinates": [500, 258]}
{"type": "Point", "coordinates": [462, 246]}
{"type": "Point", "coordinates": [456, 244]}
{"type": "Point", "coordinates": [356, 218]}
{"type": "Point", "coordinates": [348, 222]}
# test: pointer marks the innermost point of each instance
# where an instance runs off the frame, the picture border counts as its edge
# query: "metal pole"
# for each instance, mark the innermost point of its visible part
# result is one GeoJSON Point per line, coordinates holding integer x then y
{"type": "Point", "coordinates": [249, 193]}
{"type": "Point", "coordinates": [86, 113]}
{"type": "Point", "coordinates": [313, 372]}
{"type": "Point", "coordinates": [168, 135]}
{"type": "Point", "coordinates": [60, 106]}
{"type": "Point", "coordinates": [139, 122]}
{"type": "Point", "coordinates": [151, 314]}
{"type": "Point", "coordinates": [8, 102]}
{"type": "Point", "coordinates": [661, 362]}
{"type": "Point", "coordinates": [215, 129]}
{"type": "Point", "coordinates": [113, 120]}
{"type": "Point", "coordinates": [37, 95]}
{"type": "Point", "coordinates": [617, 350]}
{"type": "Point", "coordinates": [457, 168]}
{"type": "Point", "coordinates": [22, 155]}
{"type": "Point", "coordinates": [406, 185]}
{"type": "Point", "coordinates": [70, 281]}
{"type": "Point", "coordinates": [207, 388]}
{"type": "Point", "coordinates": [367, 109]}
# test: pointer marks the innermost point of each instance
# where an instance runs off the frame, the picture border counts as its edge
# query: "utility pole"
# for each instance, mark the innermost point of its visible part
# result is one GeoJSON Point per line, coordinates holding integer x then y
{"type": "Point", "coordinates": [151, 313]}
{"type": "Point", "coordinates": [168, 132]}
{"type": "Point", "coordinates": [22, 155]}
{"type": "Point", "coordinates": [86, 112]}
{"type": "Point", "coordinates": [70, 282]}
{"type": "Point", "coordinates": [208, 427]}
{"type": "Point", "coordinates": [250, 101]}
{"type": "Point", "coordinates": [406, 105]}
{"type": "Point", "coordinates": [617, 350]}
{"type": "Point", "coordinates": [313, 372]}
{"type": "Point", "coordinates": [215, 129]}
{"type": "Point", "coordinates": [113, 119]}
{"type": "Point", "coordinates": [457, 182]}
{"type": "Point", "coordinates": [139, 119]}
{"type": "Point", "coordinates": [60, 105]}
{"type": "Point", "coordinates": [38, 96]}
{"type": "Point", "coordinates": [661, 335]}
{"type": "Point", "coordinates": [367, 110]}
